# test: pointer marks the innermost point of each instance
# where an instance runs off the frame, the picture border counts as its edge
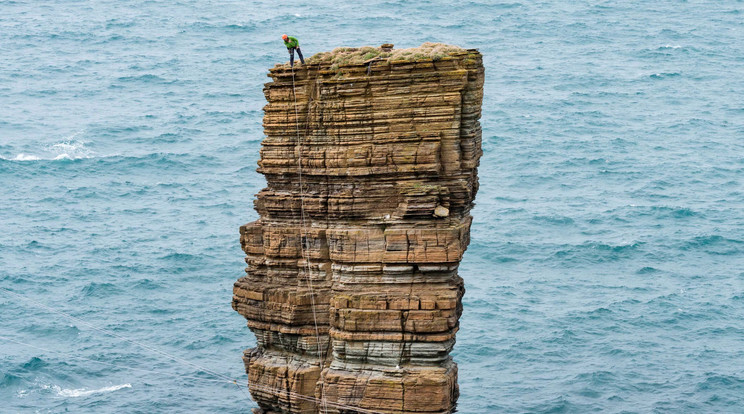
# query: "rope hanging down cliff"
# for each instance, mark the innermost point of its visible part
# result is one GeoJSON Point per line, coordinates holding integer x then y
{"type": "Point", "coordinates": [221, 377]}
{"type": "Point", "coordinates": [304, 237]}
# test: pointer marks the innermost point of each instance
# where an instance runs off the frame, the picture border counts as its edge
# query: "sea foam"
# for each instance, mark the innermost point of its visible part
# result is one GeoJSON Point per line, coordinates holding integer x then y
{"type": "Point", "coordinates": [64, 150]}
{"type": "Point", "coordinates": [82, 392]}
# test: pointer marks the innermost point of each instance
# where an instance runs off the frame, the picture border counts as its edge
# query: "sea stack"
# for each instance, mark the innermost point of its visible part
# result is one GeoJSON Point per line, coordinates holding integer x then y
{"type": "Point", "coordinates": [351, 288]}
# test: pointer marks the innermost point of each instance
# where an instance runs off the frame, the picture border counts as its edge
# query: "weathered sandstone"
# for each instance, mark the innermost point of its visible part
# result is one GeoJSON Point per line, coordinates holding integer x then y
{"type": "Point", "coordinates": [351, 286]}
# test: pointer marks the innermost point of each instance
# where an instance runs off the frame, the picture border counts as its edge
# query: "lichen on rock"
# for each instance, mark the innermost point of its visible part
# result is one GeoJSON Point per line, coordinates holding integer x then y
{"type": "Point", "coordinates": [351, 284]}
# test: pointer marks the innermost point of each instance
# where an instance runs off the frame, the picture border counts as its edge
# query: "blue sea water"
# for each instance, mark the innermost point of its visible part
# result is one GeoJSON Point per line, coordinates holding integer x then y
{"type": "Point", "coordinates": [606, 267]}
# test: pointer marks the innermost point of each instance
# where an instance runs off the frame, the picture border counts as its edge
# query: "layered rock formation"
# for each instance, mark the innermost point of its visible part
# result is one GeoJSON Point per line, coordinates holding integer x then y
{"type": "Point", "coordinates": [352, 288]}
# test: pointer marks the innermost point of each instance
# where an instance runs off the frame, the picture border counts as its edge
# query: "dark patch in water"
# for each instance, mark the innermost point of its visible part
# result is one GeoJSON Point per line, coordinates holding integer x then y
{"type": "Point", "coordinates": [34, 364]}
{"type": "Point", "coordinates": [95, 289]}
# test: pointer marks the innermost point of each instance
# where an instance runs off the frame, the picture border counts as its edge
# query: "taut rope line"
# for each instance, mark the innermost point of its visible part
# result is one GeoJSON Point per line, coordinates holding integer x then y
{"type": "Point", "coordinates": [225, 378]}
{"type": "Point", "coordinates": [304, 243]}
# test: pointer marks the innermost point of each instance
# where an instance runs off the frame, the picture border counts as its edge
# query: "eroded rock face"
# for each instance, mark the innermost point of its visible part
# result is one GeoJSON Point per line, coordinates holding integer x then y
{"type": "Point", "coordinates": [356, 301]}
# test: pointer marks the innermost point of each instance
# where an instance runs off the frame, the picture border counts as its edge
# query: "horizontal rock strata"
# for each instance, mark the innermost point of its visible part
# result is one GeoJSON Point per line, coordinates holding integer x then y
{"type": "Point", "coordinates": [351, 286]}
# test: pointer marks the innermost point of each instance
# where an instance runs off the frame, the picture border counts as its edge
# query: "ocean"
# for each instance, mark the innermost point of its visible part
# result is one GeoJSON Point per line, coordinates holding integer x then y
{"type": "Point", "coordinates": [605, 271]}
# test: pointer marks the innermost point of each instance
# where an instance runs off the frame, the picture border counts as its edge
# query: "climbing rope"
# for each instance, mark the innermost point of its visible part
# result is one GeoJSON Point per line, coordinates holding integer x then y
{"type": "Point", "coordinates": [305, 251]}
{"type": "Point", "coordinates": [224, 378]}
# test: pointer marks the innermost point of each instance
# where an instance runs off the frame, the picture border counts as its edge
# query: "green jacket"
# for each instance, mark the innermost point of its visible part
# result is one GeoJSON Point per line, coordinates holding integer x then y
{"type": "Point", "coordinates": [293, 42]}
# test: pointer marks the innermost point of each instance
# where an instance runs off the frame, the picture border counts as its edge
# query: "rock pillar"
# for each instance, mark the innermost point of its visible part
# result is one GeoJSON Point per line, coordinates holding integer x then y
{"type": "Point", "coordinates": [352, 287]}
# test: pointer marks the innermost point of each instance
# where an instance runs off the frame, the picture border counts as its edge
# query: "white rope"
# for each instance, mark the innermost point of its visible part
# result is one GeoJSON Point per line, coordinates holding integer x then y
{"type": "Point", "coordinates": [306, 254]}
{"type": "Point", "coordinates": [303, 246]}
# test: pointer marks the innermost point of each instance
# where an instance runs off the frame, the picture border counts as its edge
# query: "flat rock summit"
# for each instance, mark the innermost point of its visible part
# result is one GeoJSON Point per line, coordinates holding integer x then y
{"type": "Point", "coordinates": [351, 285]}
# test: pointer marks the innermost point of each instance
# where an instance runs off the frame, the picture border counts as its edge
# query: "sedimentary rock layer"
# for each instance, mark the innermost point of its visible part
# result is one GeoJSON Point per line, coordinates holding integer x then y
{"type": "Point", "coordinates": [351, 286]}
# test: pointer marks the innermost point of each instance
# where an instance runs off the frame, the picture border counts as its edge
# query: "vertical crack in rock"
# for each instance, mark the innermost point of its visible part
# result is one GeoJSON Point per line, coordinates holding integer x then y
{"type": "Point", "coordinates": [389, 150]}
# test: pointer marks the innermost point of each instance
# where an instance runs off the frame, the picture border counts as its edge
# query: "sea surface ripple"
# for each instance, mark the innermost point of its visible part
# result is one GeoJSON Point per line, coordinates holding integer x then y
{"type": "Point", "coordinates": [607, 255]}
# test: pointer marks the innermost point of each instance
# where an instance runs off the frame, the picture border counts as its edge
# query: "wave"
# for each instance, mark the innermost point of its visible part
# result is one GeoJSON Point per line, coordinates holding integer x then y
{"type": "Point", "coordinates": [555, 219]}
{"type": "Point", "coordinates": [709, 240]}
{"type": "Point", "coordinates": [239, 27]}
{"type": "Point", "coordinates": [82, 392]}
{"type": "Point", "coordinates": [647, 270]}
{"type": "Point", "coordinates": [146, 78]}
{"type": "Point", "coordinates": [181, 257]}
{"type": "Point", "coordinates": [147, 284]}
{"type": "Point", "coordinates": [597, 252]}
{"type": "Point", "coordinates": [9, 380]}
{"type": "Point", "coordinates": [665, 75]}
{"type": "Point", "coordinates": [99, 289]}
{"type": "Point", "coordinates": [22, 157]}
{"type": "Point", "coordinates": [714, 381]}
{"type": "Point", "coordinates": [34, 364]}
{"type": "Point", "coordinates": [69, 149]}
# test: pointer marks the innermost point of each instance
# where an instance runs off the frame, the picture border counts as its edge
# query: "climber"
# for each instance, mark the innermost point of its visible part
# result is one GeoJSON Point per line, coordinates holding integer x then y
{"type": "Point", "coordinates": [292, 44]}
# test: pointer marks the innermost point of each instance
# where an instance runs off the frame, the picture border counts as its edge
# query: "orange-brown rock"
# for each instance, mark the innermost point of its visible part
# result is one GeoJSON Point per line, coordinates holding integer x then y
{"type": "Point", "coordinates": [351, 284]}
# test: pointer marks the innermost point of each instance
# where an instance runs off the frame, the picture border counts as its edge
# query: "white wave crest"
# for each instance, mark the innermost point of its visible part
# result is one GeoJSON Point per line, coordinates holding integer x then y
{"type": "Point", "coordinates": [82, 392]}
{"type": "Point", "coordinates": [70, 150]}
{"type": "Point", "coordinates": [24, 157]}
{"type": "Point", "coordinates": [65, 150]}
{"type": "Point", "coordinates": [670, 47]}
